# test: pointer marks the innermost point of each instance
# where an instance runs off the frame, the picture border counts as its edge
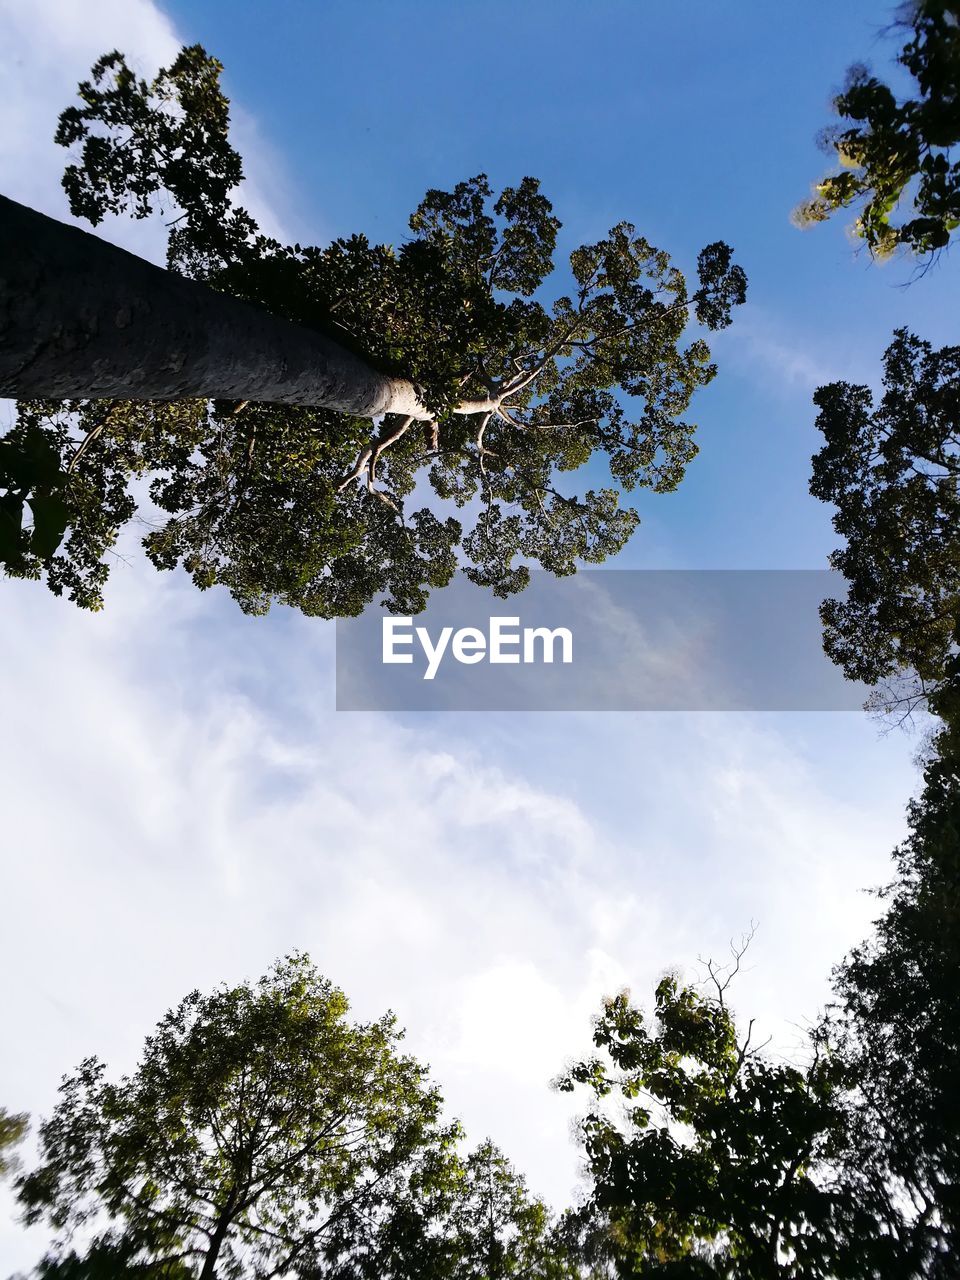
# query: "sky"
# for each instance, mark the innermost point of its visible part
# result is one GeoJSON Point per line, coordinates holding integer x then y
{"type": "Point", "coordinates": [182, 804]}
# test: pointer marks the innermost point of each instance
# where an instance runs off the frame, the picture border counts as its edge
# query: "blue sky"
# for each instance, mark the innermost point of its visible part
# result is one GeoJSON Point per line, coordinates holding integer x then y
{"type": "Point", "coordinates": [182, 802]}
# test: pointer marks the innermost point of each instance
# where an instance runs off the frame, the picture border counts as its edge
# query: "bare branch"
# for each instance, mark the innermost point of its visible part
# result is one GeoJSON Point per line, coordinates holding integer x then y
{"type": "Point", "coordinates": [366, 464]}
{"type": "Point", "coordinates": [722, 975]}
{"type": "Point", "coordinates": [87, 440]}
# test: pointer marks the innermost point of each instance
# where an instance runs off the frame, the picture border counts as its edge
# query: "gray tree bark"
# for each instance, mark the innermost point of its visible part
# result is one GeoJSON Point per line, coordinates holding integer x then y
{"type": "Point", "coordinates": [82, 319]}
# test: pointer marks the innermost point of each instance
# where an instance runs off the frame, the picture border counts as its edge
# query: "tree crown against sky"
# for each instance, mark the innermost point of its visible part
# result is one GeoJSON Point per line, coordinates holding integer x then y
{"type": "Point", "coordinates": [892, 470]}
{"type": "Point", "coordinates": [258, 1119]}
{"type": "Point", "coordinates": [891, 466]}
{"type": "Point", "coordinates": [263, 1134]}
{"type": "Point", "coordinates": [897, 158]}
{"type": "Point", "coordinates": [312, 508]}
{"type": "Point", "coordinates": [897, 1026]}
{"type": "Point", "coordinates": [707, 1157]}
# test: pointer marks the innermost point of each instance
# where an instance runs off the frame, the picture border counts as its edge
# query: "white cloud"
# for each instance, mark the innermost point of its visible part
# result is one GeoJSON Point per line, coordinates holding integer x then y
{"type": "Point", "coordinates": [782, 359]}
{"type": "Point", "coordinates": [46, 48]}
{"type": "Point", "coordinates": [183, 806]}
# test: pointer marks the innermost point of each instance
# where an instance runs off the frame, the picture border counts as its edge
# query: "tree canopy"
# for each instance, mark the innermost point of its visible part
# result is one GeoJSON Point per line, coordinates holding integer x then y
{"type": "Point", "coordinates": [257, 1119]}
{"type": "Point", "coordinates": [897, 1026]}
{"type": "Point", "coordinates": [264, 1134]}
{"type": "Point", "coordinates": [315, 509]}
{"type": "Point", "coordinates": [892, 470]}
{"type": "Point", "coordinates": [897, 158]}
{"type": "Point", "coordinates": [708, 1158]}
{"type": "Point", "coordinates": [473, 1219]}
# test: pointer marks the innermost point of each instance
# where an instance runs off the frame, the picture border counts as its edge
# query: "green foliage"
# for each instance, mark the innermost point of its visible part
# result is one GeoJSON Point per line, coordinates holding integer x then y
{"type": "Point", "coordinates": [707, 1158]}
{"type": "Point", "coordinates": [13, 1129]}
{"type": "Point", "coordinates": [315, 510]}
{"type": "Point", "coordinates": [462, 1218]}
{"type": "Point", "coordinates": [142, 139]}
{"type": "Point", "coordinates": [106, 1260]}
{"type": "Point", "coordinates": [892, 470]}
{"type": "Point", "coordinates": [30, 477]}
{"type": "Point", "coordinates": [251, 503]}
{"type": "Point", "coordinates": [897, 156]}
{"type": "Point", "coordinates": [263, 1134]}
{"type": "Point", "coordinates": [898, 1023]}
{"type": "Point", "coordinates": [258, 1119]}
{"type": "Point", "coordinates": [496, 1229]}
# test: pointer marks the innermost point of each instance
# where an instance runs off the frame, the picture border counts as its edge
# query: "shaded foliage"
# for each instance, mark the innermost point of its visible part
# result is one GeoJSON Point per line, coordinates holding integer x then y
{"type": "Point", "coordinates": [708, 1158]}
{"type": "Point", "coordinates": [897, 1022]}
{"type": "Point", "coordinates": [315, 509]}
{"type": "Point", "coordinates": [108, 1260]}
{"type": "Point", "coordinates": [897, 153]}
{"type": "Point", "coordinates": [257, 1119]}
{"type": "Point", "coordinates": [36, 488]}
{"type": "Point", "coordinates": [472, 1218]}
{"type": "Point", "coordinates": [892, 469]}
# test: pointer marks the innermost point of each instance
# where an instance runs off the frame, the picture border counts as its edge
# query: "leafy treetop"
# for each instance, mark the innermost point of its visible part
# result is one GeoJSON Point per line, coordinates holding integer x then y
{"type": "Point", "coordinates": [315, 509]}
{"type": "Point", "coordinates": [897, 154]}
{"type": "Point", "coordinates": [258, 1119]}
{"type": "Point", "coordinates": [707, 1158]}
{"type": "Point", "coordinates": [892, 469]}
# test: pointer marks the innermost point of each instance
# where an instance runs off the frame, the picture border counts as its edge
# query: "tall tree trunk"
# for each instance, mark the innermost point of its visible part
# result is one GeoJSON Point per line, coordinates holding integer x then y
{"type": "Point", "coordinates": [80, 318]}
{"type": "Point", "coordinates": [209, 1269]}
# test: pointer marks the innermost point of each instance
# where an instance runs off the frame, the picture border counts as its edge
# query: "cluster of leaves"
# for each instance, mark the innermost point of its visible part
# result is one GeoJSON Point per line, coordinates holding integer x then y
{"type": "Point", "coordinates": [892, 469]}
{"type": "Point", "coordinates": [309, 507]}
{"type": "Point", "coordinates": [899, 152]}
{"type": "Point", "coordinates": [471, 1219]}
{"type": "Point", "coordinates": [264, 1134]}
{"type": "Point", "coordinates": [139, 140]}
{"type": "Point", "coordinates": [30, 477]}
{"type": "Point", "coordinates": [715, 1161]}
{"type": "Point", "coordinates": [251, 503]}
{"type": "Point", "coordinates": [898, 1025]}
{"type": "Point", "coordinates": [254, 1116]}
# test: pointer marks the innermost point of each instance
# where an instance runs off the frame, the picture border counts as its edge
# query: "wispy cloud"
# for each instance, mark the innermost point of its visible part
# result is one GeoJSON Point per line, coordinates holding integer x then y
{"type": "Point", "coordinates": [184, 806]}
{"type": "Point", "coordinates": [782, 358]}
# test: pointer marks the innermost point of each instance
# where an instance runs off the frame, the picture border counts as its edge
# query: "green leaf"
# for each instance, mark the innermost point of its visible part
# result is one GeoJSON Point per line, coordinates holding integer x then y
{"type": "Point", "coordinates": [30, 462]}
{"type": "Point", "coordinates": [50, 519]}
{"type": "Point", "coordinates": [11, 517]}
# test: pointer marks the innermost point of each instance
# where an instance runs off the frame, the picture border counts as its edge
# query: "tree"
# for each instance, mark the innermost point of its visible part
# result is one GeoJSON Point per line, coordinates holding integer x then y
{"type": "Point", "coordinates": [897, 1026]}
{"type": "Point", "coordinates": [716, 1159]}
{"type": "Point", "coordinates": [897, 154]}
{"type": "Point", "coordinates": [892, 470]}
{"type": "Point", "coordinates": [497, 1230]}
{"type": "Point", "coordinates": [491, 392]}
{"type": "Point", "coordinates": [258, 1120]}
{"type": "Point", "coordinates": [471, 1219]}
